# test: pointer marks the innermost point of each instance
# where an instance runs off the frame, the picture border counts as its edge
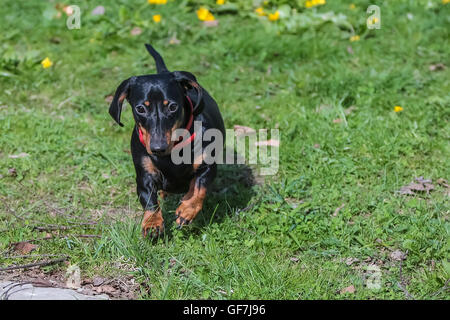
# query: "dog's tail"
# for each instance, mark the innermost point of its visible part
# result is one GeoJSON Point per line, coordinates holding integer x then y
{"type": "Point", "coordinates": [160, 65]}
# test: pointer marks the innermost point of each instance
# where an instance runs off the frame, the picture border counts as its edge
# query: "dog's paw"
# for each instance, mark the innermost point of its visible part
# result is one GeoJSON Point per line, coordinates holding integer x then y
{"type": "Point", "coordinates": [185, 213]}
{"type": "Point", "coordinates": [152, 224]}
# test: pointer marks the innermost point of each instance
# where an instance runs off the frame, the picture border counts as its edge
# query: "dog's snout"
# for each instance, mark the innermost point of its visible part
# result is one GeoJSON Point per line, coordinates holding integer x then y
{"type": "Point", "coordinates": [158, 149]}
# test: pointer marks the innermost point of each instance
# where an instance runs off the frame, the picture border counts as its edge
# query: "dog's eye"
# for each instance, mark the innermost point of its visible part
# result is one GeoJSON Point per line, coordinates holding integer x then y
{"type": "Point", "coordinates": [140, 109]}
{"type": "Point", "coordinates": [173, 107]}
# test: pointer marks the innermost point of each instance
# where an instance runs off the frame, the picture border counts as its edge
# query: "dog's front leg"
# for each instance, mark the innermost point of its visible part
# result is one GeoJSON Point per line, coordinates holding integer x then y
{"type": "Point", "coordinates": [192, 202]}
{"type": "Point", "coordinates": [152, 223]}
{"type": "Point", "coordinates": [146, 175]}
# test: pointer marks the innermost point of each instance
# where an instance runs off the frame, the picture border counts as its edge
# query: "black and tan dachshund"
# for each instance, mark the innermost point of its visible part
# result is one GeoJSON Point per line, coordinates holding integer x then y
{"type": "Point", "coordinates": [162, 103]}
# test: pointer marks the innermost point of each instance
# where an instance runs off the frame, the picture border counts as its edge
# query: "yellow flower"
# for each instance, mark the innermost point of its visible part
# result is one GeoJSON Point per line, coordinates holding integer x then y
{"type": "Point", "coordinates": [220, 2]}
{"type": "Point", "coordinates": [398, 109]}
{"type": "Point", "coordinates": [354, 38]}
{"type": "Point", "coordinates": [157, 1]}
{"type": "Point", "coordinates": [157, 18]}
{"type": "Point", "coordinates": [203, 14]}
{"type": "Point", "coordinates": [373, 21]}
{"type": "Point", "coordinates": [313, 3]}
{"type": "Point", "coordinates": [352, 6]}
{"type": "Point", "coordinates": [260, 11]}
{"type": "Point", "coordinates": [445, 1]}
{"type": "Point", "coordinates": [274, 16]}
{"type": "Point", "coordinates": [46, 63]}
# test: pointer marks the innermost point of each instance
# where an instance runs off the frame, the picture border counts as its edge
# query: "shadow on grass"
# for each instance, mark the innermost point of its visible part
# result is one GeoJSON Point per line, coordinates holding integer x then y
{"type": "Point", "coordinates": [231, 191]}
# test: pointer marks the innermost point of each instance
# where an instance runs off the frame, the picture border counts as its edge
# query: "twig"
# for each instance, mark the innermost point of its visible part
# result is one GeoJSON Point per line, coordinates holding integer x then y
{"type": "Point", "coordinates": [36, 264]}
{"type": "Point", "coordinates": [50, 227]}
{"type": "Point", "coordinates": [59, 237]}
{"type": "Point", "coordinates": [441, 289]}
{"type": "Point", "coordinates": [31, 256]}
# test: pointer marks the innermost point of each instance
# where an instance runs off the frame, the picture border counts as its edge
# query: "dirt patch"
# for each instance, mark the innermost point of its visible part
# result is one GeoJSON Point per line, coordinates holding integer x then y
{"type": "Point", "coordinates": [120, 288]}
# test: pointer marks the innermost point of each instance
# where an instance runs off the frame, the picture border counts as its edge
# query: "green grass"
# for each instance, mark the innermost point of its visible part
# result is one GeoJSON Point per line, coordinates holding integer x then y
{"type": "Point", "coordinates": [242, 244]}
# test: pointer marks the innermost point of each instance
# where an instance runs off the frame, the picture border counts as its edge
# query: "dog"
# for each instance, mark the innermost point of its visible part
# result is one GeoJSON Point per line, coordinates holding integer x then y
{"type": "Point", "coordinates": [162, 103]}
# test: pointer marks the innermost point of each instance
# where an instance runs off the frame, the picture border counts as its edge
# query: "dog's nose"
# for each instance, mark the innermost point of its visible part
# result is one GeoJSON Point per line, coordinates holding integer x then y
{"type": "Point", "coordinates": [157, 150]}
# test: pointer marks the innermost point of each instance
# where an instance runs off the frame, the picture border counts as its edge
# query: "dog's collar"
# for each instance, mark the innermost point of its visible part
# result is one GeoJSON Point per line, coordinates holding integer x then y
{"type": "Point", "coordinates": [181, 142]}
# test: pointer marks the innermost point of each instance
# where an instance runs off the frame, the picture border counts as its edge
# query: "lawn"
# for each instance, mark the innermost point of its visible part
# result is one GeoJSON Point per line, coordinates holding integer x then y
{"type": "Point", "coordinates": [328, 225]}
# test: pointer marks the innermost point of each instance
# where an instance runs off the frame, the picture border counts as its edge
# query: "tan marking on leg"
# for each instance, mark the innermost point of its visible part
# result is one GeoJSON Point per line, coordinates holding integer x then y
{"type": "Point", "coordinates": [163, 194]}
{"type": "Point", "coordinates": [197, 162]}
{"type": "Point", "coordinates": [152, 223]}
{"type": "Point", "coordinates": [191, 204]}
{"type": "Point", "coordinates": [147, 103]}
{"type": "Point", "coordinates": [165, 102]}
{"type": "Point", "coordinates": [147, 138]}
{"type": "Point", "coordinates": [148, 166]}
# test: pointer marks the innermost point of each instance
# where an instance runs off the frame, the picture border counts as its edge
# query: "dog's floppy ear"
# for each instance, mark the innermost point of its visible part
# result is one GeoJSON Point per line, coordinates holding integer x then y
{"type": "Point", "coordinates": [193, 89]}
{"type": "Point", "coordinates": [115, 109]}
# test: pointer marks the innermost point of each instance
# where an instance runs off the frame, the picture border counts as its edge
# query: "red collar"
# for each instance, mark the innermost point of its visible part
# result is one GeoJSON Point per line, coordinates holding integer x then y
{"type": "Point", "coordinates": [181, 142]}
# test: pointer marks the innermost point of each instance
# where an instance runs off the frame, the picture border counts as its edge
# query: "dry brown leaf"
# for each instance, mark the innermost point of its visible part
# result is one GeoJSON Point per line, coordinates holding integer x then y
{"type": "Point", "coordinates": [349, 289]}
{"type": "Point", "coordinates": [437, 67]}
{"type": "Point", "coordinates": [109, 98]}
{"type": "Point", "coordinates": [24, 247]}
{"type": "Point", "coordinates": [136, 31]}
{"type": "Point", "coordinates": [12, 172]}
{"type": "Point", "coordinates": [421, 185]}
{"type": "Point", "coordinates": [316, 146]}
{"type": "Point", "coordinates": [349, 261]}
{"type": "Point", "coordinates": [338, 120]}
{"type": "Point", "coordinates": [398, 255]}
{"type": "Point", "coordinates": [98, 11]}
{"type": "Point", "coordinates": [349, 110]}
{"type": "Point", "coordinates": [98, 281]}
{"type": "Point", "coordinates": [338, 209]}
{"type": "Point", "coordinates": [243, 130]}
{"type": "Point", "coordinates": [213, 23]}
{"type": "Point", "coordinates": [20, 155]}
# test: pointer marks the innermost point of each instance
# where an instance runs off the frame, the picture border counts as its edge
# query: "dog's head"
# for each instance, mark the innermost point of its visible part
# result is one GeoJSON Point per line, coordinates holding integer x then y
{"type": "Point", "coordinates": [159, 103]}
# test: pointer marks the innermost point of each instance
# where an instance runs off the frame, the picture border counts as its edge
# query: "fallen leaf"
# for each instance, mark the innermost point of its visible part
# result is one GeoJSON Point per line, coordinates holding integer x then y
{"type": "Point", "coordinates": [12, 172]}
{"type": "Point", "coordinates": [349, 110]}
{"type": "Point", "coordinates": [109, 98]}
{"type": "Point", "coordinates": [338, 120]}
{"type": "Point", "coordinates": [136, 31]}
{"type": "Point", "coordinates": [349, 261]}
{"type": "Point", "coordinates": [338, 209]}
{"type": "Point", "coordinates": [398, 255]}
{"type": "Point", "coordinates": [20, 155]}
{"type": "Point", "coordinates": [271, 142]}
{"type": "Point", "coordinates": [98, 281]}
{"type": "Point", "coordinates": [293, 259]}
{"type": "Point", "coordinates": [243, 130]}
{"type": "Point", "coordinates": [421, 185]}
{"type": "Point", "coordinates": [349, 289]}
{"type": "Point", "coordinates": [98, 11]}
{"type": "Point", "coordinates": [73, 275]}
{"type": "Point", "coordinates": [437, 67]}
{"type": "Point", "coordinates": [212, 23]}
{"type": "Point", "coordinates": [107, 289]}
{"type": "Point", "coordinates": [24, 247]}
{"type": "Point", "coordinates": [316, 146]}
{"type": "Point", "coordinates": [350, 50]}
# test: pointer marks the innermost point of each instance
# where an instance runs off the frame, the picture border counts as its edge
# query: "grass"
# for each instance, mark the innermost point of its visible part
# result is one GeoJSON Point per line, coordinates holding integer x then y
{"type": "Point", "coordinates": [275, 240]}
